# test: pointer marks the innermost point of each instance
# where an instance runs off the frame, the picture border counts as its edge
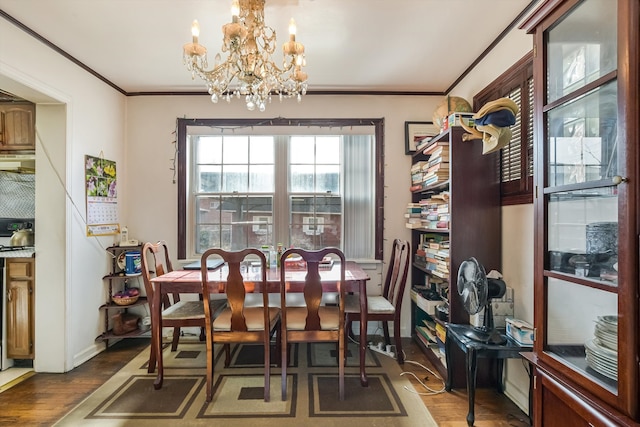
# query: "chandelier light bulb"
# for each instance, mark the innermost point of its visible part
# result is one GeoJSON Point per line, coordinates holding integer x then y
{"type": "Point", "coordinates": [195, 31]}
{"type": "Point", "coordinates": [292, 28]}
{"type": "Point", "coordinates": [235, 10]}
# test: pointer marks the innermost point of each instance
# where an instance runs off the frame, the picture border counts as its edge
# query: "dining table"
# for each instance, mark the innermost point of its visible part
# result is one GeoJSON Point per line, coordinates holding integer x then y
{"type": "Point", "coordinates": [190, 282]}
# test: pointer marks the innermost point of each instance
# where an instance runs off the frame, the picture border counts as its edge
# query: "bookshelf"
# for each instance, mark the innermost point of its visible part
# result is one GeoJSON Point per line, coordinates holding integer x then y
{"type": "Point", "coordinates": [454, 214]}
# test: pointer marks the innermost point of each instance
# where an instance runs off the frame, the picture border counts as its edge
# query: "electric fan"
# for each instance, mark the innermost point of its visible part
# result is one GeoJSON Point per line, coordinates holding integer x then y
{"type": "Point", "coordinates": [476, 291]}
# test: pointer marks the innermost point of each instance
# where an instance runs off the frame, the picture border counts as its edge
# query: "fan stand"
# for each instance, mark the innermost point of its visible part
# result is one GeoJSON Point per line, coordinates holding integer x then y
{"type": "Point", "coordinates": [486, 333]}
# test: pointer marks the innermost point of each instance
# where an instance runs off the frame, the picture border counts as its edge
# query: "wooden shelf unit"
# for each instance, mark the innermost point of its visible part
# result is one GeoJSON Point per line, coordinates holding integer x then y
{"type": "Point", "coordinates": [474, 231]}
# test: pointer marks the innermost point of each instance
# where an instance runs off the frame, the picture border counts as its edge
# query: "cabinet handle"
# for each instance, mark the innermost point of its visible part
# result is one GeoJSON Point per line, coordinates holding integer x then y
{"type": "Point", "coordinates": [9, 299]}
{"type": "Point", "coordinates": [617, 179]}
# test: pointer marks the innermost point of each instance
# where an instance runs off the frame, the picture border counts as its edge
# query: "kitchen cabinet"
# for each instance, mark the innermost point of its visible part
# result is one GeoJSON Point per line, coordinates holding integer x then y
{"type": "Point", "coordinates": [586, 97]}
{"type": "Point", "coordinates": [17, 126]}
{"type": "Point", "coordinates": [466, 198]}
{"type": "Point", "coordinates": [116, 280]}
{"type": "Point", "coordinates": [20, 308]}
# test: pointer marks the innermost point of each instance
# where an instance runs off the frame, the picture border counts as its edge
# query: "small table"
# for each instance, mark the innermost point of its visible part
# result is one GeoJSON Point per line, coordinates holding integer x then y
{"type": "Point", "coordinates": [472, 350]}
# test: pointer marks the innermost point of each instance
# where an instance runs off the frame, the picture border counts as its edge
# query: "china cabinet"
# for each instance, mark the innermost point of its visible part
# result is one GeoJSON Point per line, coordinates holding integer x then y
{"type": "Point", "coordinates": [586, 78]}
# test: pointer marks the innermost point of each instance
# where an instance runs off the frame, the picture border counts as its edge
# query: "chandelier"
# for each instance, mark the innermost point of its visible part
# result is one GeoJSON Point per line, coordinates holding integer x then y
{"type": "Point", "coordinates": [249, 70]}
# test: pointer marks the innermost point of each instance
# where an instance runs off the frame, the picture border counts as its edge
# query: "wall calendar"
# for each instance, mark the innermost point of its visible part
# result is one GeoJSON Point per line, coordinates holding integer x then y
{"type": "Point", "coordinates": [102, 196]}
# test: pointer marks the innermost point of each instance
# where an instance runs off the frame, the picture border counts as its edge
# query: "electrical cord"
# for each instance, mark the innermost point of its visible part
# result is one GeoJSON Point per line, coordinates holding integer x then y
{"type": "Point", "coordinates": [430, 391]}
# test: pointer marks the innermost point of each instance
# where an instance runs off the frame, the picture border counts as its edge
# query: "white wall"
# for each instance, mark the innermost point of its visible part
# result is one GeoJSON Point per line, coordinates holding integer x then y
{"type": "Point", "coordinates": [517, 221]}
{"type": "Point", "coordinates": [76, 114]}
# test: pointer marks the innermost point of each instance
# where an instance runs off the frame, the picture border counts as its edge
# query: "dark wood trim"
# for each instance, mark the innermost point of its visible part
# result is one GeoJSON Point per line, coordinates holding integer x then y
{"type": "Point", "coordinates": [493, 44]}
{"type": "Point", "coordinates": [465, 73]}
{"type": "Point", "coordinates": [49, 44]}
{"type": "Point", "coordinates": [377, 123]}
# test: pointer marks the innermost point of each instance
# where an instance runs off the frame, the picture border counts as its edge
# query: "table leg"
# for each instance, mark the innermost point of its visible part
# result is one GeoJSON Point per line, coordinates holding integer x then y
{"type": "Point", "coordinates": [363, 333]}
{"type": "Point", "coordinates": [500, 369]}
{"type": "Point", "coordinates": [471, 384]}
{"type": "Point", "coordinates": [449, 360]}
{"type": "Point", "coordinates": [156, 333]}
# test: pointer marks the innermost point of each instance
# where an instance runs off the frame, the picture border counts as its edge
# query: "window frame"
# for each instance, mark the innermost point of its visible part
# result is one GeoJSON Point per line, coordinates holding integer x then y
{"type": "Point", "coordinates": [518, 191]}
{"type": "Point", "coordinates": [181, 163]}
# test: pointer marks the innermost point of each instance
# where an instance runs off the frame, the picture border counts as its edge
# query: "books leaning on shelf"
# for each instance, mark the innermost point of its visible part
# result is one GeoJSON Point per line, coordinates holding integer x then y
{"type": "Point", "coordinates": [430, 148]}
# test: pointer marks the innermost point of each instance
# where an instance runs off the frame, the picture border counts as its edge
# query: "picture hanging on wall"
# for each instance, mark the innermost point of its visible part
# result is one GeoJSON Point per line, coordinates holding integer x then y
{"type": "Point", "coordinates": [102, 193]}
{"type": "Point", "coordinates": [417, 133]}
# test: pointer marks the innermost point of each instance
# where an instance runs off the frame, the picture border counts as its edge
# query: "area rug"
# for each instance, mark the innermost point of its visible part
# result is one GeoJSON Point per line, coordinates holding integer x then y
{"type": "Point", "coordinates": [129, 399]}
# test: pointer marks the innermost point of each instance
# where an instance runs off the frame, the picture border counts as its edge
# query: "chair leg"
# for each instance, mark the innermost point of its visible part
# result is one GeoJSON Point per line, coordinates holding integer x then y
{"type": "Point", "coordinates": [341, 361]}
{"type": "Point", "coordinates": [176, 338]}
{"type": "Point", "coordinates": [398, 339]}
{"type": "Point", "coordinates": [284, 360]}
{"type": "Point", "coordinates": [385, 330]}
{"type": "Point", "coordinates": [210, 369]}
{"type": "Point", "coordinates": [267, 366]}
{"type": "Point", "coordinates": [227, 355]}
{"type": "Point", "coordinates": [152, 361]}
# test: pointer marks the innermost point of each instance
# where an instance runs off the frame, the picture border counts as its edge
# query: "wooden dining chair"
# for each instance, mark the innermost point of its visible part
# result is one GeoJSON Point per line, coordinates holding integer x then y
{"type": "Point", "coordinates": [155, 261]}
{"type": "Point", "coordinates": [314, 321]}
{"type": "Point", "coordinates": [386, 307]}
{"type": "Point", "coordinates": [237, 323]}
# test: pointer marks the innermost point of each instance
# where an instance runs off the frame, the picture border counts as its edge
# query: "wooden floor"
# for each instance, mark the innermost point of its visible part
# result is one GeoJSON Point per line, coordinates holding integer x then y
{"type": "Point", "coordinates": [42, 399]}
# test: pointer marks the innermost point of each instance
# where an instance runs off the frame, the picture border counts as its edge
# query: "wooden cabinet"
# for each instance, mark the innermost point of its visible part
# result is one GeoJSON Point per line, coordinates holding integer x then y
{"type": "Point", "coordinates": [116, 280]}
{"type": "Point", "coordinates": [587, 346]}
{"type": "Point", "coordinates": [20, 308]}
{"type": "Point", "coordinates": [17, 126]}
{"type": "Point", "coordinates": [471, 187]}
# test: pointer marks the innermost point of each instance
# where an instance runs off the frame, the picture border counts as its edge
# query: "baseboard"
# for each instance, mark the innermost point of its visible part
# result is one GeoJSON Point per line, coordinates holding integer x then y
{"type": "Point", "coordinates": [88, 353]}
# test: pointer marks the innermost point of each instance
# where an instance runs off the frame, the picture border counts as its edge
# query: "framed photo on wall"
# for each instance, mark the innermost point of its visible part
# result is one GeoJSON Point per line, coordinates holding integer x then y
{"type": "Point", "coordinates": [416, 132]}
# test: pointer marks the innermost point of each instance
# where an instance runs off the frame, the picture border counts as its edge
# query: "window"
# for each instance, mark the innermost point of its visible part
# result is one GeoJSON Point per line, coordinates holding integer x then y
{"type": "Point", "coordinates": [516, 159]}
{"type": "Point", "coordinates": [246, 184]}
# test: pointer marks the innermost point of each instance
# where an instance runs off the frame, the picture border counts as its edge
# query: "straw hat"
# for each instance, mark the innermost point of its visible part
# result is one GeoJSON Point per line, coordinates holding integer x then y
{"type": "Point", "coordinates": [493, 135]}
{"type": "Point", "coordinates": [494, 138]}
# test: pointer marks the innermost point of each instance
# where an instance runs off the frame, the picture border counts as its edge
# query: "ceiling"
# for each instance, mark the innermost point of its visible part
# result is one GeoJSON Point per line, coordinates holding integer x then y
{"type": "Point", "coordinates": [418, 46]}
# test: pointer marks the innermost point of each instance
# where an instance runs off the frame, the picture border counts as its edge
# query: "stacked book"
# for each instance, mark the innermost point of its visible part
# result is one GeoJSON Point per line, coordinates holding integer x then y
{"type": "Point", "coordinates": [435, 211]}
{"type": "Point", "coordinates": [437, 258]}
{"type": "Point", "coordinates": [417, 175]}
{"type": "Point", "coordinates": [436, 170]}
{"type": "Point", "coordinates": [413, 215]}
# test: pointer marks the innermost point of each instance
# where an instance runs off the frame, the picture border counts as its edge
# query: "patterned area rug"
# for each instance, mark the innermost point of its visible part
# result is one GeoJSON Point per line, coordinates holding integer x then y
{"type": "Point", "coordinates": [129, 399]}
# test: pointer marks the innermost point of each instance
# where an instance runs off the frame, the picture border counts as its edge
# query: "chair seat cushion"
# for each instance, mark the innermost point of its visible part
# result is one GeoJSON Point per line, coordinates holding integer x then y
{"type": "Point", "coordinates": [254, 317]}
{"type": "Point", "coordinates": [184, 310]}
{"type": "Point", "coordinates": [375, 304]}
{"type": "Point", "coordinates": [191, 309]}
{"type": "Point", "coordinates": [297, 318]}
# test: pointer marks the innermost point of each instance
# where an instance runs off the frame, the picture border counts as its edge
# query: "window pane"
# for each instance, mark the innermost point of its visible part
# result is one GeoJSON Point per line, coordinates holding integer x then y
{"type": "Point", "coordinates": [583, 138]}
{"type": "Point", "coordinates": [235, 178]}
{"type": "Point", "coordinates": [316, 221]}
{"type": "Point", "coordinates": [261, 179]}
{"type": "Point", "coordinates": [328, 179]}
{"type": "Point", "coordinates": [574, 64]}
{"type": "Point", "coordinates": [328, 150]}
{"type": "Point", "coordinates": [261, 150]}
{"type": "Point", "coordinates": [236, 149]}
{"type": "Point", "coordinates": [302, 150]}
{"type": "Point", "coordinates": [209, 149]}
{"type": "Point", "coordinates": [208, 179]}
{"type": "Point", "coordinates": [301, 179]}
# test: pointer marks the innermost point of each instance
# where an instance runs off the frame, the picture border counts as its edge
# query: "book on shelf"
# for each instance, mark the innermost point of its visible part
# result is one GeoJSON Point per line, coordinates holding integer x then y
{"type": "Point", "coordinates": [430, 148]}
{"type": "Point", "coordinates": [417, 166]}
{"type": "Point", "coordinates": [415, 187]}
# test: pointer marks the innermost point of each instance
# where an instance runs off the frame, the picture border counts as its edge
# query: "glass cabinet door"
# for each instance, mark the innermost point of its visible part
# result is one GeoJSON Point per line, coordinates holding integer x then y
{"type": "Point", "coordinates": [581, 194]}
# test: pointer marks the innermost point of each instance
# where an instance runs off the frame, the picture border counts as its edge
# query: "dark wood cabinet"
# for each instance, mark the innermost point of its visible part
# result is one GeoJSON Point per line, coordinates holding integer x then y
{"type": "Point", "coordinates": [17, 126]}
{"type": "Point", "coordinates": [472, 188]}
{"type": "Point", "coordinates": [587, 344]}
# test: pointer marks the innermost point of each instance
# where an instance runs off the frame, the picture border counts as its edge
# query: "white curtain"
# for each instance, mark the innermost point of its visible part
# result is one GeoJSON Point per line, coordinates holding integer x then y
{"type": "Point", "coordinates": [359, 196]}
